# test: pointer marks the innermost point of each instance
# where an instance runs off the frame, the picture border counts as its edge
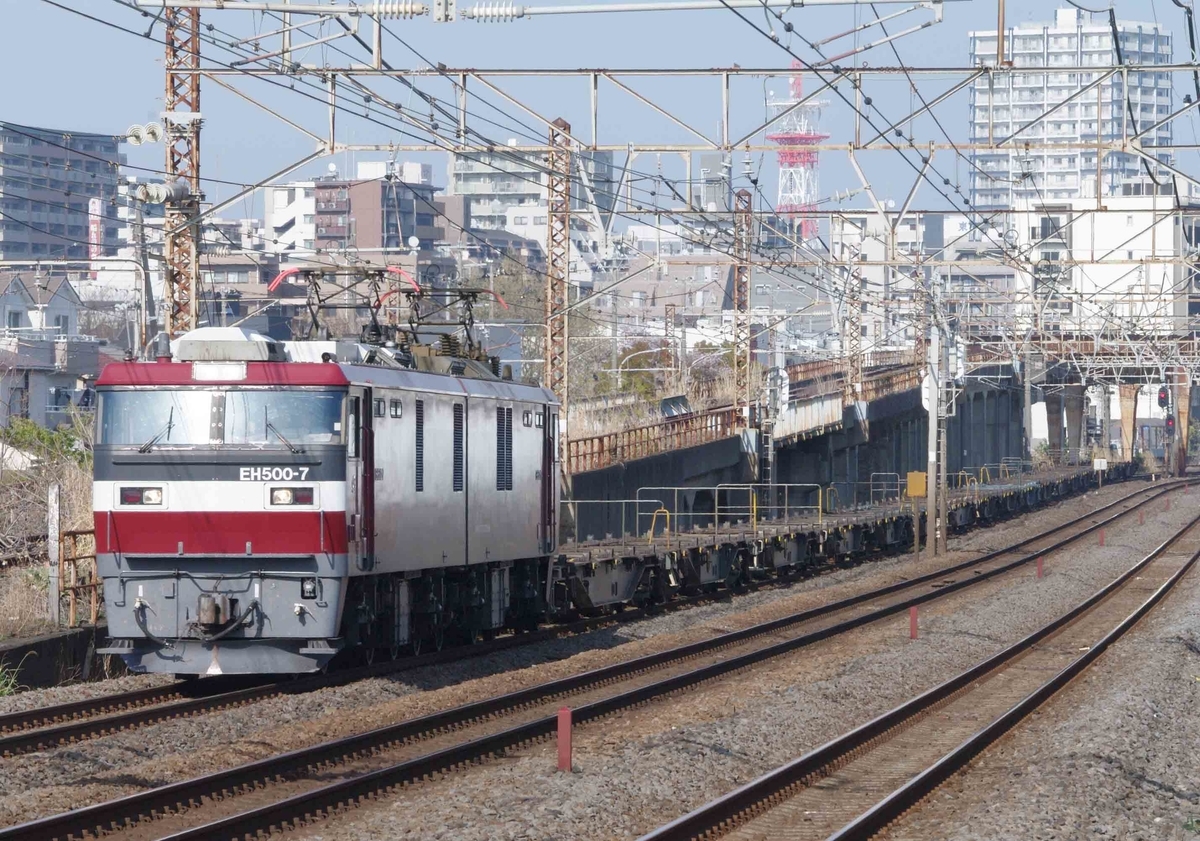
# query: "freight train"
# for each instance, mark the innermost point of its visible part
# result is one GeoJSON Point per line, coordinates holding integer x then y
{"type": "Point", "coordinates": [261, 505]}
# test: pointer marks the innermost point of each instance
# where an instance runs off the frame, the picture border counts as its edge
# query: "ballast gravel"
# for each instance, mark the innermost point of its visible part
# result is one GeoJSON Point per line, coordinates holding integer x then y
{"type": "Point", "coordinates": [1112, 756]}
{"type": "Point", "coordinates": [637, 770]}
{"type": "Point", "coordinates": [32, 699]}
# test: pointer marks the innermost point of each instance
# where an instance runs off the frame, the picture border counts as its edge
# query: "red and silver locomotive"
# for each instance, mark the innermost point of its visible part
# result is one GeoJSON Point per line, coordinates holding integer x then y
{"type": "Point", "coordinates": [261, 505]}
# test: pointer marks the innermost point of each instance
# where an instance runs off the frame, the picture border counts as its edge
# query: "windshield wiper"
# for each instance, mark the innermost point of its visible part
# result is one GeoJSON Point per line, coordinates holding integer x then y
{"type": "Point", "coordinates": [271, 427]}
{"type": "Point", "coordinates": [166, 430]}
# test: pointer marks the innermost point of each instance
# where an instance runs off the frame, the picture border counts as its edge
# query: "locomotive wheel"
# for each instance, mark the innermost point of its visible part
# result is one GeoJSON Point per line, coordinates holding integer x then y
{"type": "Point", "coordinates": [439, 638]}
{"type": "Point", "coordinates": [395, 651]}
{"type": "Point", "coordinates": [416, 644]}
{"type": "Point", "coordinates": [369, 654]}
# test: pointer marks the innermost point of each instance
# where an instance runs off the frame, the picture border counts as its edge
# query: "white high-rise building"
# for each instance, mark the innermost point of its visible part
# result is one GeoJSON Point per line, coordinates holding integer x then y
{"type": "Point", "coordinates": [1076, 49]}
{"type": "Point", "coordinates": [493, 182]}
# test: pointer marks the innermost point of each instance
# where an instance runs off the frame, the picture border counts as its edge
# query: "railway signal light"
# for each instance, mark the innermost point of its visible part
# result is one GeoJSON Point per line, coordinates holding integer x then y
{"type": "Point", "coordinates": [1170, 426]}
{"type": "Point", "coordinates": [1164, 397]}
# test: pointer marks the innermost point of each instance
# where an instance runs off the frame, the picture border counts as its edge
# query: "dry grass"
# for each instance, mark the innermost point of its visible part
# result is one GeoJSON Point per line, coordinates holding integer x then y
{"type": "Point", "coordinates": [24, 496]}
{"type": "Point", "coordinates": [702, 396]}
{"type": "Point", "coordinates": [24, 610]}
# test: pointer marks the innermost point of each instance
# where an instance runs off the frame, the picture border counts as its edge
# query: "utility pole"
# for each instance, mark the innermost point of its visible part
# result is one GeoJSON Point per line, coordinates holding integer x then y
{"type": "Point", "coordinates": [180, 230]}
{"type": "Point", "coordinates": [614, 352]}
{"type": "Point", "coordinates": [933, 397]}
{"type": "Point", "coordinates": [147, 316]}
{"type": "Point", "coordinates": [945, 409]}
{"type": "Point", "coordinates": [1027, 412]}
{"type": "Point", "coordinates": [743, 222]}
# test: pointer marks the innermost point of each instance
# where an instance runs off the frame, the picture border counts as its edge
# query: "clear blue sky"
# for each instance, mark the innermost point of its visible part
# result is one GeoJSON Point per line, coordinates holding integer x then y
{"type": "Point", "coordinates": [63, 71]}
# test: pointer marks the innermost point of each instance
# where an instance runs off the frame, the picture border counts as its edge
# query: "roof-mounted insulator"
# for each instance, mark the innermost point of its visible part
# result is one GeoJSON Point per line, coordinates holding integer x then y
{"type": "Point", "coordinates": [399, 9]}
{"type": "Point", "coordinates": [495, 12]}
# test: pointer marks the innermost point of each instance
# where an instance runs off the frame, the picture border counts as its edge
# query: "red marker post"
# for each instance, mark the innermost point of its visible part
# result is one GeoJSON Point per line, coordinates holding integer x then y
{"type": "Point", "coordinates": [564, 739]}
{"type": "Point", "coordinates": [1101, 537]}
{"type": "Point", "coordinates": [912, 622]}
{"type": "Point", "coordinates": [1039, 566]}
{"type": "Point", "coordinates": [1141, 518]}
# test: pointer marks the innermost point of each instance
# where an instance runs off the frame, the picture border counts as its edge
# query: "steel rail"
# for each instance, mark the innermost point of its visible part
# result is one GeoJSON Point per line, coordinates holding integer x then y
{"type": "Point", "coordinates": [39, 729]}
{"type": "Point", "coordinates": [116, 813]}
{"type": "Point", "coordinates": [45, 716]}
{"type": "Point", "coordinates": [736, 808]}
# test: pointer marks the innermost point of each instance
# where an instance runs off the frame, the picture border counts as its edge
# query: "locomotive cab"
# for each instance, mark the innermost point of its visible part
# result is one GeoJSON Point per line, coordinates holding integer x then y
{"type": "Point", "coordinates": [219, 503]}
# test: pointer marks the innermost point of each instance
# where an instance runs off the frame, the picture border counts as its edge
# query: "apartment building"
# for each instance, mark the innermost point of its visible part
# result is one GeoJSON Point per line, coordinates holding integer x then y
{"type": "Point", "coordinates": [1069, 53]}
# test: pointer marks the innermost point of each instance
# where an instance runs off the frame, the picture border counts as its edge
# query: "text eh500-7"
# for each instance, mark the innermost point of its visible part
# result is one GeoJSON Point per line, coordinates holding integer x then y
{"type": "Point", "coordinates": [272, 474]}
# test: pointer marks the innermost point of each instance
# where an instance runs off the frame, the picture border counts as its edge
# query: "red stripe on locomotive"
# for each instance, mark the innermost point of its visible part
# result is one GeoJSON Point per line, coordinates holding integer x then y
{"type": "Point", "coordinates": [221, 532]}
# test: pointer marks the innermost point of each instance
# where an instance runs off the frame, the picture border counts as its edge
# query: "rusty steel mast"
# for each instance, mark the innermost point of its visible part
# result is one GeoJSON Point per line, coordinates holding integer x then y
{"type": "Point", "coordinates": [181, 242]}
{"type": "Point", "coordinates": [558, 256]}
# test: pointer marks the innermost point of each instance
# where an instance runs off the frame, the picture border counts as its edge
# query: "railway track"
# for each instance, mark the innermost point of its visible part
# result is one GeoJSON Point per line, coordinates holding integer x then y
{"type": "Point", "coordinates": [281, 789]}
{"type": "Point", "coordinates": [44, 728]}
{"type": "Point", "coordinates": [853, 787]}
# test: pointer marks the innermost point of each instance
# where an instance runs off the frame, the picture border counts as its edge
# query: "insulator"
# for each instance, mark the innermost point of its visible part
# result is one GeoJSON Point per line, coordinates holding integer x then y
{"type": "Point", "coordinates": [162, 193]}
{"type": "Point", "coordinates": [216, 250]}
{"type": "Point", "coordinates": [399, 9]}
{"type": "Point", "coordinates": [495, 12]}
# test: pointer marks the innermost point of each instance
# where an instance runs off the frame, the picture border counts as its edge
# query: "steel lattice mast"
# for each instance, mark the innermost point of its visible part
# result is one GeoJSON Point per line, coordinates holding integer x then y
{"type": "Point", "coordinates": [558, 256]}
{"type": "Point", "coordinates": [797, 133]}
{"type": "Point", "coordinates": [182, 106]}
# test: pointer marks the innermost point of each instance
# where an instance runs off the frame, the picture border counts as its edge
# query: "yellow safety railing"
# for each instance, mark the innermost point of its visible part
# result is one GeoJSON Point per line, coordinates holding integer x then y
{"type": "Point", "coordinates": [666, 525]}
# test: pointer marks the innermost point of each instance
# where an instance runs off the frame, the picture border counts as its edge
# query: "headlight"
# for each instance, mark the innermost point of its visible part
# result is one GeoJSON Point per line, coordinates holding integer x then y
{"type": "Point", "coordinates": [308, 588]}
{"type": "Point", "coordinates": [141, 496]}
{"type": "Point", "coordinates": [292, 496]}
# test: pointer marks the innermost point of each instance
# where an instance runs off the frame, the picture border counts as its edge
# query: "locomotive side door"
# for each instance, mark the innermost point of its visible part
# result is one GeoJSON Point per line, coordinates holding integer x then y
{"type": "Point", "coordinates": [360, 480]}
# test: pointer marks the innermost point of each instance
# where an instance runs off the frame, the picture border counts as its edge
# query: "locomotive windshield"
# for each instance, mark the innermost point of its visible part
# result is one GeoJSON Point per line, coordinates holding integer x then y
{"type": "Point", "coordinates": [258, 418]}
{"type": "Point", "coordinates": [263, 418]}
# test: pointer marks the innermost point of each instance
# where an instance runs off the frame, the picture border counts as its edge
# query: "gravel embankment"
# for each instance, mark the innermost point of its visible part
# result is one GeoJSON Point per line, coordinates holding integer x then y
{"type": "Point", "coordinates": [34, 698]}
{"type": "Point", "coordinates": [1111, 756]}
{"type": "Point", "coordinates": [647, 766]}
{"type": "Point", "coordinates": [119, 764]}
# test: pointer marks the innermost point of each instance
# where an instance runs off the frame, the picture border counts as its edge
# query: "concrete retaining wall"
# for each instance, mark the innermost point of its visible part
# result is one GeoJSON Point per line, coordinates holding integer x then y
{"type": "Point", "coordinates": [56, 658]}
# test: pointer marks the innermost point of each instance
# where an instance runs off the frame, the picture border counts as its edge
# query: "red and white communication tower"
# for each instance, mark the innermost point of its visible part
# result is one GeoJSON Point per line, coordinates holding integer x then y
{"type": "Point", "coordinates": [797, 131]}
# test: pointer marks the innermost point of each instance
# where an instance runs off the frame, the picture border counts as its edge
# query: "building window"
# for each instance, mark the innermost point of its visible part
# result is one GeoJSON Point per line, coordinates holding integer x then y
{"type": "Point", "coordinates": [520, 220]}
{"type": "Point", "coordinates": [62, 323]}
{"type": "Point", "coordinates": [380, 407]}
{"type": "Point", "coordinates": [397, 409]}
{"type": "Point", "coordinates": [539, 220]}
{"type": "Point", "coordinates": [14, 319]}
